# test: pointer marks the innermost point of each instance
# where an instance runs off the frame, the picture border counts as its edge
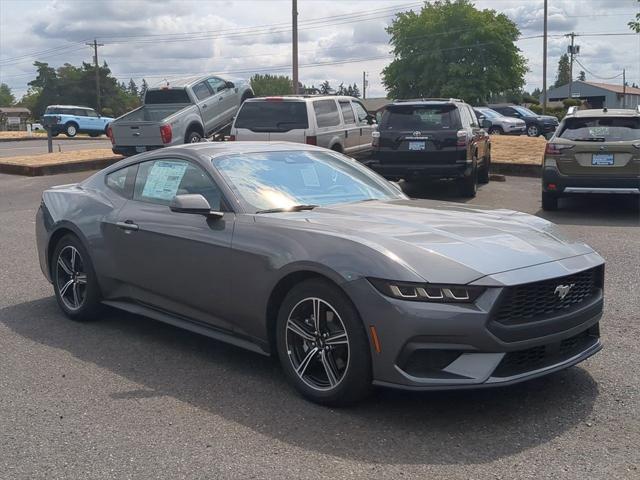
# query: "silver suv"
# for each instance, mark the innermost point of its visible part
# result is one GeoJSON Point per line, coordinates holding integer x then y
{"type": "Point", "coordinates": [500, 125]}
{"type": "Point", "coordinates": [336, 122]}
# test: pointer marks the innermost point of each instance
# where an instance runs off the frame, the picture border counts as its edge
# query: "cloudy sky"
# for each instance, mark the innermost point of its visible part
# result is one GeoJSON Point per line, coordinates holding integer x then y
{"type": "Point", "coordinates": [339, 40]}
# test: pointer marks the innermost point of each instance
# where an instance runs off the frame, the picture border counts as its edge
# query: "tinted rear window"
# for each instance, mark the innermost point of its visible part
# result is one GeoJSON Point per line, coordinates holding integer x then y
{"type": "Point", "coordinates": [269, 116]}
{"type": "Point", "coordinates": [170, 95]}
{"type": "Point", "coordinates": [326, 113]}
{"type": "Point", "coordinates": [610, 129]}
{"type": "Point", "coordinates": [411, 117]}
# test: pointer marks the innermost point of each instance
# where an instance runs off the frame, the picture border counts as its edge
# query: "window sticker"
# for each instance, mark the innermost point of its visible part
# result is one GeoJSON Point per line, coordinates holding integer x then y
{"type": "Point", "coordinates": [310, 176]}
{"type": "Point", "coordinates": [163, 180]}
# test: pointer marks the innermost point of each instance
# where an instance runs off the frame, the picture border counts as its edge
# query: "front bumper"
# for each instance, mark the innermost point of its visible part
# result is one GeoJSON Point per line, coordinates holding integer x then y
{"type": "Point", "coordinates": [514, 129]}
{"type": "Point", "coordinates": [577, 184]}
{"type": "Point", "coordinates": [431, 346]}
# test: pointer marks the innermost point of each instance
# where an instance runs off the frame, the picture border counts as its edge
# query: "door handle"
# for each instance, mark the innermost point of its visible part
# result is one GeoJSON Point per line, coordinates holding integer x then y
{"type": "Point", "coordinates": [127, 226]}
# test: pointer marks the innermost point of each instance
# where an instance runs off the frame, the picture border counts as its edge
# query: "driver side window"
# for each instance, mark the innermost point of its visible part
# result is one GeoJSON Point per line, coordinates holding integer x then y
{"type": "Point", "coordinates": [158, 181]}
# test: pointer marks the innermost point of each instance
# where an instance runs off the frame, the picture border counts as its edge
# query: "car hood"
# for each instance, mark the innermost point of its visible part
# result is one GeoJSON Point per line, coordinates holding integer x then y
{"type": "Point", "coordinates": [442, 241]}
{"type": "Point", "coordinates": [547, 118]}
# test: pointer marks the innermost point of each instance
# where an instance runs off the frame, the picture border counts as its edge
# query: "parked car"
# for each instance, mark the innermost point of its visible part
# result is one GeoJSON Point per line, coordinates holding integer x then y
{"type": "Point", "coordinates": [37, 127]}
{"type": "Point", "coordinates": [339, 123]}
{"type": "Point", "coordinates": [72, 120]}
{"type": "Point", "coordinates": [299, 251]}
{"type": "Point", "coordinates": [432, 139]}
{"type": "Point", "coordinates": [536, 124]}
{"type": "Point", "coordinates": [500, 125]}
{"type": "Point", "coordinates": [179, 111]}
{"type": "Point", "coordinates": [593, 151]}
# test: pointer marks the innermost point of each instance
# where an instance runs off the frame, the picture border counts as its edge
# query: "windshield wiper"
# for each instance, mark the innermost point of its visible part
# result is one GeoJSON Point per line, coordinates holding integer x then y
{"type": "Point", "coordinates": [590, 139]}
{"type": "Point", "coordinates": [295, 208]}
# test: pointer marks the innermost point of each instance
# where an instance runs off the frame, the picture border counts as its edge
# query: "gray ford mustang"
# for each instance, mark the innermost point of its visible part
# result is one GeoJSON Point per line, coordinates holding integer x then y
{"type": "Point", "coordinates": [298, 251]}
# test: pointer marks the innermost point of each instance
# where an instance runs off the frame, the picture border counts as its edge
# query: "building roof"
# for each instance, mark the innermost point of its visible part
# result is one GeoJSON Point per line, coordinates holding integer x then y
{"type": "Point", "coordinates": [15, 110]}
{"type": "Point", "coordinates": [375, 104]}
{"type": "Point", "coordinates": [615, 88]}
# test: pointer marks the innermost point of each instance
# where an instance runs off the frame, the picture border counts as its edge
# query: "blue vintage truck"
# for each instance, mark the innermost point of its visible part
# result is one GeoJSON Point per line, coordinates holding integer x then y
{"type": "Point", "coordinates": [72, 120]}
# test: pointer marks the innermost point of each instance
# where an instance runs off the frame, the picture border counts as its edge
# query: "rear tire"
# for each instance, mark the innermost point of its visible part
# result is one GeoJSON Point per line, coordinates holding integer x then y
{"type": "Point", "coordinates": [74, 280]}
{"type": "Point", "coordinates": [193, 137]}
{"type": "Point", "coordinates": [549, 201]}
{"type": "Point", "coordinates": [328, 361]}
{"type": "Point", "coordinates": [469, 185]}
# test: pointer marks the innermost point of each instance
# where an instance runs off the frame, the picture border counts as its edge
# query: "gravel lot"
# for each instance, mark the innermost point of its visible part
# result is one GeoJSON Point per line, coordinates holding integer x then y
{"type": "Point", "coordinates": [127, 397]}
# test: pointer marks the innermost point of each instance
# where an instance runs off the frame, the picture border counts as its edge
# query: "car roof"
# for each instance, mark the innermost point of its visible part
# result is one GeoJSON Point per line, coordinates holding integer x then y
{"type": "Point", "coordinates": [427, 101]}
{"type": "Point", "coordinates": [181, 82]}
{"type": "Point", "coordinates": [298, 98]}
{"type": "Point", "coordinates": [609, 112]}
{"type": "Point", "coordinates": [69, 106]}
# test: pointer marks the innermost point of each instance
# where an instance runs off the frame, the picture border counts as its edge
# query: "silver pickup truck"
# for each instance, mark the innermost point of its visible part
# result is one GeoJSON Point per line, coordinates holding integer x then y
{"type": "Point", "coordinates": [178, 111]}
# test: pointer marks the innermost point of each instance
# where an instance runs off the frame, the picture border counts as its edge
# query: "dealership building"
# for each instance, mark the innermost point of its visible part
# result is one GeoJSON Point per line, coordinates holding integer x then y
{"type": "Point", "coordinates": [597, 95]}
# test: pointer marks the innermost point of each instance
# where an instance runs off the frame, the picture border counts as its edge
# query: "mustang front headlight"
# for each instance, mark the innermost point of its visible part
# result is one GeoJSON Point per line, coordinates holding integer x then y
{"type": "Point", "coordinates": [428, 292]}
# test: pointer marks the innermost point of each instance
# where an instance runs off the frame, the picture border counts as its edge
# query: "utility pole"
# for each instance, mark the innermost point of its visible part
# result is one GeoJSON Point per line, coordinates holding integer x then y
{"type": "Point", "coordinates": [364, 85]}
{"type": "Point", "coordinates": [544, 63]}
{"type": "Point", "coordinates": [294, 20]}
{"type": "Point", "coordinates": [571, 52]}
{"type": "Point", "coordinates": [624, 88]}
{"type": "Point", "coordinates": [95, 46]}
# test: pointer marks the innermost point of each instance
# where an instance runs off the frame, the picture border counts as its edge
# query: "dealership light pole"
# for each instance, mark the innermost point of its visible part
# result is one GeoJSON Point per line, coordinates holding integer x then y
{"type": "Point", "coordinates": [294, 19]}
{"type": "Point", "coordinates": [544, 63]}
{"type": "Point", "coordinates": [95, 46]}
{"type": "Point", "coordinates": [572, 51]}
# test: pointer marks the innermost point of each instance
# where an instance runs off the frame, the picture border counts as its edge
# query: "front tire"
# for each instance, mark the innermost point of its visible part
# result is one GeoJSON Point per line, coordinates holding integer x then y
{"type": "Point", "coordinates": [74, 280]}
{"type": "Point", "coordinates": [71, 130]}
{"type": "Point", "coordinates": [322, 344]}
{"type": "Point", "coordinates": [469, 184]}
{"type": "Point", "coordinates": [483, 175]}
{"type": "Point", "coordinates": [495, 131]}
{"type": "Point", "coordinates": [533, 131]}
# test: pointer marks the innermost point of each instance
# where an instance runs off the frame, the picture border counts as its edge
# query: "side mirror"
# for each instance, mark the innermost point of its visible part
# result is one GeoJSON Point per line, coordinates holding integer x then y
{"type": "Point", "coordinates": [485, 123]}
{"type": "Point", "coordinates": [193, 203]}
{"type": "Point", "coordinates": [230, 85]}
{"type": "Point", "coordinates": [371, 119]}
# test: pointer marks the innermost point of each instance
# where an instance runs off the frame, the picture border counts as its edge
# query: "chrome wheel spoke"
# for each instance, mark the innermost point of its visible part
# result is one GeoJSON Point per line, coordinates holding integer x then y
{"type": "Point", "coordinates": [76, 297]}
{"type": "Point", "coordinates": [316, 314]}
{"type": "Point", "coordinates": [299, 330]}
{"type": "Point", "coordinates": [337, 339]}
{"type": "Point", "coordinates": [73, 259]}
{"type": "Point", "coordinates": [81, 279]}
{"type": "Point", "coordinates": [306, 361]}
{"type": "Point", "coordinates": [66, 286]}
{"type": "Point", "coordinates": [64, 266]}
{"type": "Point", "coordinates": [329, 367]}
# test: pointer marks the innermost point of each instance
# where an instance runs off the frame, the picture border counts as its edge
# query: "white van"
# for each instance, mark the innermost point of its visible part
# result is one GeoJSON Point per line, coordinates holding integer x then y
{"type": "Point", "coordinates": [335, 122]}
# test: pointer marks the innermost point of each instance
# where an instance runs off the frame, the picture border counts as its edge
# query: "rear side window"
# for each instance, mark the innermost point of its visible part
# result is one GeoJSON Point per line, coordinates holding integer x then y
{"type": "Point", "coordinates": [80, 112]}
{"type": "Point", "coordinates": [121, 180]}
{"type": "Point", "coordinates": [347, 112]}
{"type": "Point", "coordinates": [420, 117]}
{"type": "Point", "coordinates": [326, 113]}
{"type": "Point", "coordinates": [610, 129]}
{"type": "Point", "coordinates": [201, 91]}
{"type": "Point", "coordinates": [361, 112]}
{"type": "Point", "coordinates": [272, 116]}
{"type": "Point", "coordinates": [91, 113]}
{"type": "Point", "coordinates": [166, 96]}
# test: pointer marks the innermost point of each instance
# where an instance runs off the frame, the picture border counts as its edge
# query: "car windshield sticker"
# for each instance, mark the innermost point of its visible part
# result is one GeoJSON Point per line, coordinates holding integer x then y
{"type": "Point", "coordinates": [310, 176]}
{"type": "Point", "coordinates": [164, 179]}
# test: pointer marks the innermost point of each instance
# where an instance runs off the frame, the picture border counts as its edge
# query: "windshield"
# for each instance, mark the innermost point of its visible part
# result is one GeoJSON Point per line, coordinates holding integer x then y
{"type": "Point", "coordinates": [166, 96]}
{"type": "Point", "coordinates": [268, 180]}
{"type": "Point", "coordinates": [610, 129]}
{"type": "Point", "coordinates": [412, 117]}
{"type": "Point", "coordinates": [524, 111]}
{"type": "Point", "coordinates": [272, 116]}
{"type": "Point", "coordinates": [487, 112]}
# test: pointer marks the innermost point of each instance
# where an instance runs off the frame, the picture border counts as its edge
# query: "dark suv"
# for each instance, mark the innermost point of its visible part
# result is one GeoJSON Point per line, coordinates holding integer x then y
{"type": "Point", "coordinates": [432, 139]}
{"type": "Point", "coordinates": [536, 124]}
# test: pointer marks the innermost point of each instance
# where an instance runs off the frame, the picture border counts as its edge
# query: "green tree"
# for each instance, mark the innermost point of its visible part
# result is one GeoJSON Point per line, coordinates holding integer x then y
{"type": "Point", "coordinates": [341, 90]}
{"type": "Point", "coordinates": [582, 76]}
{"type": "Point", "coordinates": [635, 24]}
{"type": "Point", "coordinates": [143, 89]}
{"type": "Point", "coordinates": [355, 91]}
{"type": "Point", "coordinates": [46, 84]}
{"type": "Point", "coordinates": [435, 57]}
{"type": "Point", "coordinates": [133, 88]}
{"type": "Point", "coordinates": [564, 71]}
{"type": "Point", "coordinates": [6, 96]}
{"type": "Point", "coordinates": [325, 88]}
{"type": "Point", "coordinates": [267, 84]}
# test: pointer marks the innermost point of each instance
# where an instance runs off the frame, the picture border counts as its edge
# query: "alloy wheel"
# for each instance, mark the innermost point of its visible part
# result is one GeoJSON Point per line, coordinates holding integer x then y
{"type": "Point", "coordinates": [71, 278]}
{"type": "Point", "coordinates": [317, 344]}
{"type": "Point", "coordinates": [532, 131]}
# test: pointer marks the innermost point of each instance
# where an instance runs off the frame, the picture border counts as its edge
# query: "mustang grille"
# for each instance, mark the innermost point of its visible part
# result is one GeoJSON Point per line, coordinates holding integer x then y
{"type": "Point", "coordinates": [535, 301]}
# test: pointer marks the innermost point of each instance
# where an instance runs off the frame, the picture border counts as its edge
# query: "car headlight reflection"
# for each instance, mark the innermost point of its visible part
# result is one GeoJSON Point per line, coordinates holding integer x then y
{"type": "Point", "coordinates": [428, 292]}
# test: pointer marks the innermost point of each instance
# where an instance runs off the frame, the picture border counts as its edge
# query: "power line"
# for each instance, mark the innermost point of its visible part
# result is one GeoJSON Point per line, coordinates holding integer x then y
{"type": "Point", "coordinates": [595, 75]}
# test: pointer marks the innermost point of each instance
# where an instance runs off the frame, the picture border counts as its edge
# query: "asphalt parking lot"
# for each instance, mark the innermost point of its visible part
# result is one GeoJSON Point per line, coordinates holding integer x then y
{"type": "Point", "coordinates": [35, 147]}
{"type": "Point", "coordinates": [127, 397]}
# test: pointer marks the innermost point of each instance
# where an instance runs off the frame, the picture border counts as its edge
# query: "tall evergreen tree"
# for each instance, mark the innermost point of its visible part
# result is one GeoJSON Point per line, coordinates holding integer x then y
{"type": "Point", "coordinates": [564, 71]}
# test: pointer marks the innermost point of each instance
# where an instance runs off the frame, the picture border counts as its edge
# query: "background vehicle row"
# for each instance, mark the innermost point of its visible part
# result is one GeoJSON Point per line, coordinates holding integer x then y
{"type": "Point", "coordinates": [71, 120]}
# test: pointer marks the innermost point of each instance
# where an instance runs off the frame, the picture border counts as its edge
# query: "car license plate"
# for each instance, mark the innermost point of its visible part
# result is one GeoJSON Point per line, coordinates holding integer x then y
{"type": "Point", "coordinates": [417, 146]}
{"type": "Point", "coordinates": [141, 149]}
{"type": "Point", "coordinates": [602, 159]}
